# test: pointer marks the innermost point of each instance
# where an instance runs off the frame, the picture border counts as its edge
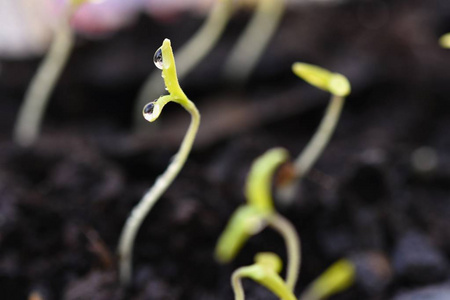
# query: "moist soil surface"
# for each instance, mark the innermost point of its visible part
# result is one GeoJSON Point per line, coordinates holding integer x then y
{"type": "Point", "coordinates": [379, 195]}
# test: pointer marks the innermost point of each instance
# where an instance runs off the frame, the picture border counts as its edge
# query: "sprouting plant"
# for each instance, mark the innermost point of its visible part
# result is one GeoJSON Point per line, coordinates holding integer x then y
{"type": "Point", "coordinates": [165, 61]}
{"type": "Point", "coordinates": [264, 271]}
{"type": "Point", "coordinates": [259, 212]}
{"type": "Point", "coordinates": [444, 41]}
{"type": "Point", "coordinates": [339, 87]}
{"type": "Point", "coordinates": [338, 277]}
{"type": "Point", "coordinates": [28, 124]}
{"type": "Point", "coordinates": [191, 53]}
{"type": "Point", "coordinates": [251, 44]}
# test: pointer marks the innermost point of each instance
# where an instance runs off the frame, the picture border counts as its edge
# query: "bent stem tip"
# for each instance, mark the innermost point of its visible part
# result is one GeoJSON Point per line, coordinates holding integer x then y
{"type": "Point", "coordinates": [265, 272]}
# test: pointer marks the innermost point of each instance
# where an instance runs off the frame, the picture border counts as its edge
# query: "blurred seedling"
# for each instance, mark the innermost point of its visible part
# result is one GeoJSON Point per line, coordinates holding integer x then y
{"type": "Point", "coordinates": [339, 87]}
{"type": "Point", "coordinates": [444, 41]}
{"type": "Point", "coordinates": [31, 113]}
{"type": "Point", "coordinates": [258, 213]}
{"type": "Point", "coordinates": [192, 52]}
{"type": "Point", "coordinates": [264, 271]}
{"type": "Point", "coordinates": [165, 61]}
{"type": "Point", "coordinates": [337, 278]}
{"type": "Point", "coordinates": [255, 38]}
{"type": "Point", "coordinates": [245, 54]}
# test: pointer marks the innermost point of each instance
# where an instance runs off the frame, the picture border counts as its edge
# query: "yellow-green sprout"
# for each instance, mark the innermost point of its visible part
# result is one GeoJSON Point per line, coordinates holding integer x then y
{"type": "Point", "coordinates": [245, 222]}
{"type": "Point", "coordinates": [253, 41]}
{"type": "Point", "coordinates": [339, 87]}
{"type": "Point", "coordinates": [191, 53]}
{"type": "Point", "coordinates": [444, 41]}
{"type": "Point", "coordinates": [333, 83]}
{"type": "Point", "coordinates": [31, 113]}
{"type": "Point", "coordinates": [337, 278]}
{"type": "Point", "coordinates": [264, 271]}
{"type": "Point", "coordinates": [165, 61]}
{"type": "Point", "coordinates": [258, 213]}
{"type": "Point", "coordinates": [258, 189]}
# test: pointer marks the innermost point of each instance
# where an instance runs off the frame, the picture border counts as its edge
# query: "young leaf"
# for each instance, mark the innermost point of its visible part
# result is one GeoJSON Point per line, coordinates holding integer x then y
{"type": "Point", "coordinates": [338, 277]}
{"type": "Point", "coordinates": [333, 83]}
{"type": "Point", "coordinates": [245, 222]}
{"type": "Point", "coordinates": [258, 189]}
{"type": "Point", "coordinates": [444, 41]}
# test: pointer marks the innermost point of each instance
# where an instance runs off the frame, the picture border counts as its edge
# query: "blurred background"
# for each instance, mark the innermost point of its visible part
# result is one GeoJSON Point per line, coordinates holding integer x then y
{"type": "Point", "coordinates": [379, 195]}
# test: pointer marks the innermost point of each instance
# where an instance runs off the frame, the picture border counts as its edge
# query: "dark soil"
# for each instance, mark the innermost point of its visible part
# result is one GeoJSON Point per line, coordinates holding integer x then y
{"type": "Point", "coordinates": [64, 201]}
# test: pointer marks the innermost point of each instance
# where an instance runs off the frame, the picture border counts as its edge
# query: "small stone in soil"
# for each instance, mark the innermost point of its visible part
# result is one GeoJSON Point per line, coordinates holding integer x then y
{"type": "Point", "coordinates": [436, 292]}
{"type": "Point", "coordinates": [416, 260]}
{"type": "Point", "coordinates": [374, 271]}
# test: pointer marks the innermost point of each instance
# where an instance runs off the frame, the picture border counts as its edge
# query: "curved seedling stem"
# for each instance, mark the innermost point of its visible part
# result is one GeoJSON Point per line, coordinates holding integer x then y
{"type": "Point", "coordinates": [29, 120]}
{"type": "Point", "coordinates": [339, 87]}
{"type": "Point", "coordinates": [151, 112]}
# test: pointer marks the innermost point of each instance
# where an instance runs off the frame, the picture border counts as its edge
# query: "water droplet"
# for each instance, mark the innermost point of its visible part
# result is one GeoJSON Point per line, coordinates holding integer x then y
{"type": "Point", "coordinates": [158, 59]}
{"type": "Point", "coordinates": [148, 110]}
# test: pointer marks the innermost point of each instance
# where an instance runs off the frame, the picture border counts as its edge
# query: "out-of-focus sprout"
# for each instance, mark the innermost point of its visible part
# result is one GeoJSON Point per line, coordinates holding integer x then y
{"type": "Point", "coordinates": [264, 271]}
{"type": "Point", "coordinates": [165, 61]}
{"type": "Point", "coordinates": [337, 278]}
{"type": "Point", "coordinates": [29, 120]}
{"type": "Point", "coordinates": [253, 41]}
{"type": "Point", "coordinates": [191, 53]}
{"type": "Point", "coordinates": [339, 87]}
{"type": "Point", "coordinates": [444, 41]}
{"type": "Point", "coordinates": [259, 212]}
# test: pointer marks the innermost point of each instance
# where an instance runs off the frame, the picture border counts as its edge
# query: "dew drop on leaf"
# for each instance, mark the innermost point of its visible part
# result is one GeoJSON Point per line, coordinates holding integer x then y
{"type": "Point", "coordinates": [158, 59]}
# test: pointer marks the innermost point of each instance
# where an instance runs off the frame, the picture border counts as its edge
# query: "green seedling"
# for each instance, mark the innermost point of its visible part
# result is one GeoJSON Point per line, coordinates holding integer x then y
{"type": "Point", "coordinates": [29, 120]}
{"type": "Point", "coordinates": [255, 38]}
{"type": "Point", "coordinates": [191, 53]}
{"type": "Point", "coordinates": [444, 41]}
{"type": "Point", "coordinates": [258, 213]}
{"type": "Point", "coordinates": [165, 61]}
{"type": "Point", "coordinates": [337, 278]}
{"type": "Point", "coordinates": [264, 271]}
{"type": "Point", "coordinates": [339, 87]}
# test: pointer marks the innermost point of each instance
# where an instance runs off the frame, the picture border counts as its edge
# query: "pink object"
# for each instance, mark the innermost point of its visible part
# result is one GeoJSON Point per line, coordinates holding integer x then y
{"type": "Point", "coordinates": [28, 25]}
{"type": "Point", "coordinates": [106, 16]}
{"type": "Point", "coordinates": [109, 15]}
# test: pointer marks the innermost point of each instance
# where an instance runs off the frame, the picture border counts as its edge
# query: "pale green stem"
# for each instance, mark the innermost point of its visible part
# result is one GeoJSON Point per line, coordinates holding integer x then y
{"type": "Point", "coordinates": [321, 138]}
{"type": "Point", "coordinates": [314, 149]}
{"type": "Point", "coordinates": [252, 43]}
{"type": "Point", "coordinates": [190, 54]}
{"type": "Point", "coordinates": [292, 241]}
{"type": "Point", "coordinates": [237, 286]}
{"type": "Point", "coordinates": [161, 184]}
{"type": "Point", "coordinates": [28, 124]}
